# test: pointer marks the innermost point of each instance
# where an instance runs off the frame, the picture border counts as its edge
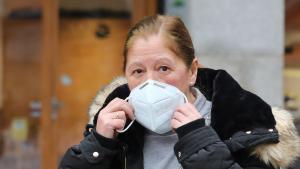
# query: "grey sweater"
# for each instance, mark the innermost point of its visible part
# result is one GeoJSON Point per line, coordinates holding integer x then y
{"type": "Point", "coordinates": [159, 149]}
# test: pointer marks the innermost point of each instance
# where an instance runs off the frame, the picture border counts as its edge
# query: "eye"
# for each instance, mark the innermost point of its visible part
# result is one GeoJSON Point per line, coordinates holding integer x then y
{"type": "Point", "coordinates": [137, 71]}
{"type": "Point", "coordinates": [163, 68]}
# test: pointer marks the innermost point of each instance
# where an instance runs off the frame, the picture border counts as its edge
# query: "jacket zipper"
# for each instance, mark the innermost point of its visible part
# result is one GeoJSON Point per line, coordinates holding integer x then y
{"type": "Point", "coordinates": [124, 154]}
{"type": "Point", "coordinates": [125, 162]}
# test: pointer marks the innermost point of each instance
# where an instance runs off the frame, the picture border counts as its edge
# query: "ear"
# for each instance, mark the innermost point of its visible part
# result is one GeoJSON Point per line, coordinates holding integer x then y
{"type": "Point", "coordinates": [194, 71]}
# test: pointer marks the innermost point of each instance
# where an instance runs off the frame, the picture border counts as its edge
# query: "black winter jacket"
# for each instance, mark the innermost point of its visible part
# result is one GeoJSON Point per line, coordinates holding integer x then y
{"type": "Point", "coordinates": [240, 122]}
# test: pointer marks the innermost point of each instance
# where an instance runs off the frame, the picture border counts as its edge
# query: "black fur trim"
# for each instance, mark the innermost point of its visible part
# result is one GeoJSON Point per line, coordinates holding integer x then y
{"type": "Point", "coordinates": [233, 108]}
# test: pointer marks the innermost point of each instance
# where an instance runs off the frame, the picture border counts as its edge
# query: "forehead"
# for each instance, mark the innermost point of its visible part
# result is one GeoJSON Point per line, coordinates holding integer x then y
{"type": "Point", "coordinates": [147, 42]}
{"type": "Point", "coordinates": [150, 48]}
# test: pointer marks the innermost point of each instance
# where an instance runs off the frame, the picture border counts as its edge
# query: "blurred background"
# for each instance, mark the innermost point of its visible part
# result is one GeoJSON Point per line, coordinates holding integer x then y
{"type": "Point", "coordinates": [56, 54]}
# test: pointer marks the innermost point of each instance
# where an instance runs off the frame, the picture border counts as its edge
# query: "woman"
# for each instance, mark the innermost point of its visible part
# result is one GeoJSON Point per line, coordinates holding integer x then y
{"type": "Point", "coordinates": [169, 114]}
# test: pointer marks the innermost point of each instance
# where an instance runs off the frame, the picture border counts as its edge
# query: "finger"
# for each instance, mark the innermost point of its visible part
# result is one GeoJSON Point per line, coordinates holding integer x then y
{"type": "Point", "coordinates": [195, 114]}
{"type": "Point", "coordinates": [114, 101]}
{"type": "Point", "coordinates": [106, 120]}
{"type": "Point", "coordinates": [130, 114]}
{"type": "Point", "coordinates": [127, 108]}
{"type": "Point", "coordinates": [121, 105]}
{"type": "Point", "coordinates": [175, 123]}
{"type": "Point", "coordinates": [189, 110]}
{"type": "Point", "coordinates": [191, 107]}
{"type": "Point", "coordinates": [184, 108]}
{"type": "Point", "coordinates": [118, 124]}
{"type": "Point", "coordinates": [179, 116]}
{"type": "Point", "coordinates": [118, 115]}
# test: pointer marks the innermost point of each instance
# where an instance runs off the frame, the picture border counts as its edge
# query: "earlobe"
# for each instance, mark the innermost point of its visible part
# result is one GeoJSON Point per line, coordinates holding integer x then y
{"type": "Point", "coordinates": [194, 71]}
{"type": "Point", "coordinates": [199, 65]}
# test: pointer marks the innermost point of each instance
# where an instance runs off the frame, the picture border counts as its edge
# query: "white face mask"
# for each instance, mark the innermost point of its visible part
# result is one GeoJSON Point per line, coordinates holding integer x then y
{"type": "Point", "coordinates": [154, 104]}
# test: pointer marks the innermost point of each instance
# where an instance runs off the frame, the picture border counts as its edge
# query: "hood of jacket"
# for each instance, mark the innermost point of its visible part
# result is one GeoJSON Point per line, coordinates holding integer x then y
{"type": "Point", "coordinates": [234, 109]}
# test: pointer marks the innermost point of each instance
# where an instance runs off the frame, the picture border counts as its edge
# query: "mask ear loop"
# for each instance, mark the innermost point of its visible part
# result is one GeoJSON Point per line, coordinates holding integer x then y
{"type": "Point", "coordinates": [129, 125]}
{"type": "Point", "coordinates": [185, 99]}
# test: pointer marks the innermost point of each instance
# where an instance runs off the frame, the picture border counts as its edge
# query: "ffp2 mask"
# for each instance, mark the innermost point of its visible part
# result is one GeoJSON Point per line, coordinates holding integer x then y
{"type": "Point", "coordinates": [154, 104]}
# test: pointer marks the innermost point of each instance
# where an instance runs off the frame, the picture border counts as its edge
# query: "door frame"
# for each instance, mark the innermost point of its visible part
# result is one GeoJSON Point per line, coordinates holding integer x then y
{"type": "Point", "coordinates": [1, 56]}
{"type": "Point", "coordinates": [49, 53]}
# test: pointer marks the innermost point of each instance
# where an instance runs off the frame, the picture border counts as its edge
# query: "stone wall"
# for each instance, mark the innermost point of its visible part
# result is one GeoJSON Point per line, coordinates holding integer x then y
{"type": "Point", "coordinates": [243, 37]}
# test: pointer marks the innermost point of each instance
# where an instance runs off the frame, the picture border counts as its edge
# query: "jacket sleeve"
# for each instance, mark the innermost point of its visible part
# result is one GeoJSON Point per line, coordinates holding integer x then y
{"type": "Point", "coordinates": [202, 148]}
{"type": "Point", "coordinates": [89, 154]}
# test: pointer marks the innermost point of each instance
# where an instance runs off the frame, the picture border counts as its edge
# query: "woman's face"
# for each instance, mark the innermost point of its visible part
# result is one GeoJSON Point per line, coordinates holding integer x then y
{"type": "Point", "coordinates": [151, 59]}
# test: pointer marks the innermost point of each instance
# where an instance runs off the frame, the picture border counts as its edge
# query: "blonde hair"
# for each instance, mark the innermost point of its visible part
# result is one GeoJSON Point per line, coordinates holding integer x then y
{"type": "Point", "coordinates": [170, 28]}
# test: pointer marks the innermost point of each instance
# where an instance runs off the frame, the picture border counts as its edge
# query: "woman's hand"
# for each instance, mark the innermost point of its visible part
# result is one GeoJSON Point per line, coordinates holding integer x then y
{"type": "Point", "coordinates": [113, 117]}
{"type": "Point", "coordinates": [184, 114]}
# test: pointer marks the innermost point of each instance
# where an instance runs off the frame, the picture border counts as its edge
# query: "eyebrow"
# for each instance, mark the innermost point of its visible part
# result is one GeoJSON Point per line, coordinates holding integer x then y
{"type": "Point", "coordinates": [165, 59]}
{"type": "Point", "coordinates": [138, 63]}
{"type": "Point", "coordinates": [135, 63]}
